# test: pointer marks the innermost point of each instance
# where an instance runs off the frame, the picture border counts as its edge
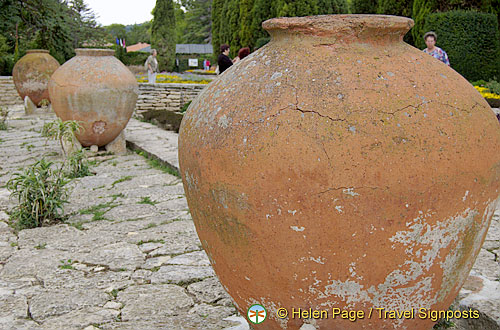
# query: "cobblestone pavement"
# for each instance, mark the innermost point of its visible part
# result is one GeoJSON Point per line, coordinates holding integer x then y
{"type": "Point", "coordinates": [128, 256]}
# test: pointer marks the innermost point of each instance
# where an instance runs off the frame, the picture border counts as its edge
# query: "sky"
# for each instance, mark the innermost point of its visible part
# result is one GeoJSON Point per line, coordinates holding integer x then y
{"type": "Point", "coordinates": [122, 11]}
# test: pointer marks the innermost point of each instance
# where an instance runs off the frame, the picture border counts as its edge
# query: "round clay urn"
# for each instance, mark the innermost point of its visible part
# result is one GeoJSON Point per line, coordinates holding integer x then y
{"type": "Point", "coordinates": [95, 88]}
{"type": "Point", "coordinates": [339, 169]}
{"type": "Point", "coordinates": [31, 74]}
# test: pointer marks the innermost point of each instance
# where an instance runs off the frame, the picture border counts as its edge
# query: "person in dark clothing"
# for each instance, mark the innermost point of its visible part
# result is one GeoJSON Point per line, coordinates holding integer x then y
{"type": "Point", "coordinates": [224, 61]}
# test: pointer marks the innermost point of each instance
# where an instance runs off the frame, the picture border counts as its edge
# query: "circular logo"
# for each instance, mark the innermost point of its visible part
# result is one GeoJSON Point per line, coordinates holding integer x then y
{"type": "Point", "coordinates": [257, 314]}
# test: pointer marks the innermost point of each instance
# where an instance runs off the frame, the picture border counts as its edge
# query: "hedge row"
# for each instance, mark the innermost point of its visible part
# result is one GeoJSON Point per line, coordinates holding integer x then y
{"type": "Point", "coordinates": [471, 40]}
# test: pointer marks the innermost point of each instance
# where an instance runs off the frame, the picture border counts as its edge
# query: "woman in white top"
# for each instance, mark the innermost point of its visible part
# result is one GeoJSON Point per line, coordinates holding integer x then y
{"type": "Point", "coordinates": [152, 66]}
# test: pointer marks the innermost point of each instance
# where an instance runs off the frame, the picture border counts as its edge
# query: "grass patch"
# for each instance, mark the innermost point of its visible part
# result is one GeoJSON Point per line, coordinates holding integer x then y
{"type": "Point", "coordinates": [122, 179]}
{"type": "Point", "coordinates": [77, 225]}
{"type": "Point", "coordinates": [99, 210]}
{"type": "Point", "coordinates": [147, 200]}
{"type": "Point", "coordinates": [155, 163]}
{"type": "Point", "coordinates": [151, 225]}
{"type": "Point", "coordinates": [141, 242]}
{"type": "Point", "coordinates": [13, 244]}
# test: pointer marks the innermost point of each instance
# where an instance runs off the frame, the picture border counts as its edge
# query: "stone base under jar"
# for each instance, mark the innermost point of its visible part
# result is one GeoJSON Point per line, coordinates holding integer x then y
{"type": "Point", "coordinates": [118, 146]}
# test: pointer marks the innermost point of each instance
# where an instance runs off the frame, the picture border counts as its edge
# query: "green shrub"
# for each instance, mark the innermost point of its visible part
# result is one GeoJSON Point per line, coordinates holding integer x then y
{"type": "Point", "coordinates": [471, 40]}
{"type": "Point", "coordinates": [41, 193]}
{"type": "Point", "coordinates": [63, 131]}
{"type": "Point", "coordinates": [77, 165]}
{"type": "Point", "coordinates": [135, 58]}
{"type": "Point", "coordinates": [261, 42]}
{"type": "Point", "coordinates": [493, 86]}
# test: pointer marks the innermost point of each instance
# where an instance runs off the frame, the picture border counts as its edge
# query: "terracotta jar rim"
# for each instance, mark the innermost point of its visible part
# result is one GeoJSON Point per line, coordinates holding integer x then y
{"type": "Point", "coordinates": [94, 52]}
{"type": "Point", "coordinates": [33, 51]}
{"type": "Point", "coordinates": [333, 24]}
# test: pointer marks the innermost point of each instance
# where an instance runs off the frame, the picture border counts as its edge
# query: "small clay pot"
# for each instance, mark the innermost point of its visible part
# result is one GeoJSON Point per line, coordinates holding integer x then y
{"type": "Point", "coordinates": [338, 167]}
{"type": "Point", "coordinates": [31, 74]}
{"type": "Point", "coordinates": [95, 88]}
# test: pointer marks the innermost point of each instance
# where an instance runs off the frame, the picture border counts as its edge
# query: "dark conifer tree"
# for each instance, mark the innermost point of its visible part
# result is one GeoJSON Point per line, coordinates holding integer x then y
{"type": "Point", "coordinates": [163, 33]}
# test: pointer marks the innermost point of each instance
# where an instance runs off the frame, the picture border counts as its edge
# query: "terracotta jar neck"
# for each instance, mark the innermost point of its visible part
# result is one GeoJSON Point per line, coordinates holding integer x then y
{"type": "Point", "coordinates": [340, 29]}
{"type": "Point", "coordinates": [94, 52]}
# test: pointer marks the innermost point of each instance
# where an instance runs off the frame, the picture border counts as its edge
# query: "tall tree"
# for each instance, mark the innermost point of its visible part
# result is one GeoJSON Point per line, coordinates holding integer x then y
{"type": "Point", "coordinates": [83, 25]}
{"type": "Point", "coordinates": [332, 7]}
{"type": "Point", "coordinates": [180, 24]}
{"type": "Point", "coordinates": [234, 26]}
{"type": "Point", "coordinates": [395, 7]}
{"type": "Point", "coordinates": [245, 33]}
{"type": "Point", "coordinates": [290, 8]}
{"type": "Point", "coordinates": [217, 7]}
{"type": "Point", "coordinates": [163, 33]}
{"type": "Point", "coordinates": [198, 21]}
{"type": "Point", "coordinates": [139, 33]}
{"type": "Point", "coordinates": [262, 10]}
{"type": "Point", "coordinates": [364, 6]}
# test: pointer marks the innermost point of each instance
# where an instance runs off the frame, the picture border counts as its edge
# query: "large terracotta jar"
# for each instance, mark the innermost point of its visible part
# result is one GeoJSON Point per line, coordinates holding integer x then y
{"type": "Point", "coordinates": [94, 87]}
{"type": "Point", "coordinates": [31, 74]}
{"type": "Point", "coordinates": [338, 167]}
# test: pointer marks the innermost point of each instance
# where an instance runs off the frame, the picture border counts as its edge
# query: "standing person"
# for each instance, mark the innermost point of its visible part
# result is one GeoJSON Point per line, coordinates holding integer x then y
{"type": "Point", "coordinates": [242, 53]}
{"type": "Point", "coordinates": [152, 66]}
{"type": "Point", "coordinates": [436, 52]}
{"type": "Point", "coordinates": [224, 61]}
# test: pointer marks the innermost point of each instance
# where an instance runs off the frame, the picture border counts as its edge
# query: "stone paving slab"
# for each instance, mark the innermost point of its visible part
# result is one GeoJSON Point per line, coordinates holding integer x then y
{"type": "Point", "coordinates": [158, 143]}
{"type": "Point", "coordinates": [128, 256]}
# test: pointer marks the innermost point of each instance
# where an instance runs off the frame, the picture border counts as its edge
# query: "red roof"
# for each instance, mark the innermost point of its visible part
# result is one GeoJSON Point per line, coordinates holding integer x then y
{"type": "Point", "coordinates": [137, 47]}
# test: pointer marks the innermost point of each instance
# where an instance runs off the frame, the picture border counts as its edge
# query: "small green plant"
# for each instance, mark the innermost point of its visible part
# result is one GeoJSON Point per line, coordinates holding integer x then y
{"type": "Point", "coordinates": [147, 200]}
{"type": "Point", "coordinates": [494, 87]}
{"type": "Point", "coordinates": [185, 106]}
{"type": "Point", "coordinates": [44, 103]}
{"type": "Point", "coordinates": [63, 131]}
{"type": "Point", "coordinates": [77, 165]}
{"type": "Point", "coordinates": [3, 119]}
{"type": "Point", "coordinates": [41, 193]}
{"type": "Point", "coordinates": [114, 293]}
{"type": "Point", "coordinates": [66, 264]}
{"type": "Point", "coordinates": [40, 246]}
